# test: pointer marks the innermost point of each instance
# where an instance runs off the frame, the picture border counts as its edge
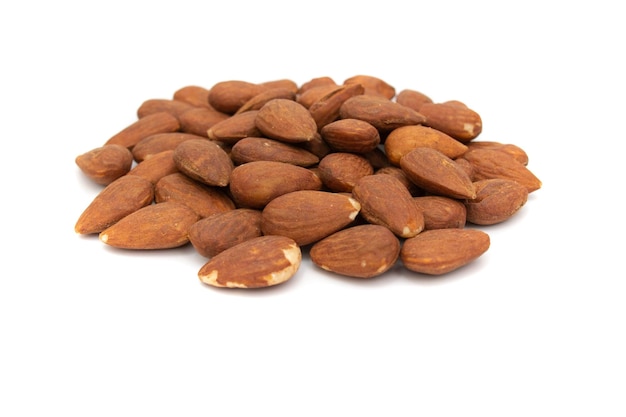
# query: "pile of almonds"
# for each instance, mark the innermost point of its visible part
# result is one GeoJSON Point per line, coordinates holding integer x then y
{"type": "Point", "coordinates": [250, 173]}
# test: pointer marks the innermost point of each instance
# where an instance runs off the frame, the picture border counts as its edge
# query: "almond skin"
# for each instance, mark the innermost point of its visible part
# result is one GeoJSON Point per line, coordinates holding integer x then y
{"type": "Point", "coordinates": [437, 252]}
{"type": "Point", "coordinates": [351, 135]}
{"type": "Point", "coordinates": [199, 120]}
{"type": "Point", "coordinates": [406, 138]}
{"type": "Point", "coordinates": [385, 115]}
{"type": "Point", "coordinates": [340, 171]}
{"type": "Point", "coordinates": [158, 105]}
{"type": "Point", "coordinates": [326, 109]}
{"type": "Point", "coordinates": [229, 96]}
{"type": "Point", "coordinates": [496, 201]}
{"type": "Point", "coordinates": [120, 198]}
{"type": "Point", "coordinates": [160, 122]}
{"type": "Point", "coordinates": [492, 163]}
{"type": "Point", "coordinates": [412, 99]}
{"type": "Point", "coordinates": [264, 149]}
{"type": "Point", "coordinates": [156, 166]}
{"type": "Point", "coordinates": [372, 85]}
{"type": "Point", "coordinates": [204, 161]}
{"type": "Point", "coordinates": [308, 216]}
{"type": "Point", "coordinates": [160, 142]}
{"type": "Point", "coordinates": [105, 164]}
{"type": "Point", "coordinates": [234, 128]}
{"type": "Point", "coordinates": [157, 226]}
{"type": "Point", "coordinates": [458, 121]}
{"type": "Point", "coordinates": [261, 262]}
{"type": "Point", "coordinates": [362, 251]}
{"type": "Point", "coordinates": [441, 212]}
{"type": "Point", "coordinates": [286, 121]}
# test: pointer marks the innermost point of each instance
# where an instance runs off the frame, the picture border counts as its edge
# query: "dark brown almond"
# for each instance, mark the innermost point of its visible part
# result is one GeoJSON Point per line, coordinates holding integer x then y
{"type": "Point", "coordinates": [404, 139]}
{"type": "Point", "coordinates": [229, 96]}
{"type": "Point", "coordinates": [155, 123]}
{"type": "Point", "coordinates": [156, 166]}
{"type": "Point", "coordinates": [458, 121]}
{"type": "Point", "coordinates": [373, 85]}
{"type": "Point", "coordinates": [351, 135]}
{"type": "Point", "coordinates": [340, 171]}
{"type": "Point", "coordinates": [385, 115]}
{"type": "Point", "coordinates": [157, 226]}
{"type": "Point", "coordinates": [105, 164]}
{"type": "Point", "coordinates": [362, 251]}
{"type": "Point", "coordinates": [258, 101]}
{"type": "Point", "coordinates": [492, 163]}
{"type": "Point", "coordinates": [204, 161]}
{"type": "Point", "coordinates": [234, 128]}
{"type": "Point", "coordinates": [264, 149]}
{"type": "Point", "coordinates": [286, 121]}
{"type": "Point", "coordinates": [412, 99]}
{"type": "Point", "coordinates": [434, 172]}
{"type": "Point", "coordinates": [158, 105]}
{"type": "Point", "coordinates": [437, 252]}
{"type": "Point", "coordinates": [214, 234]}
{"type": "Point", "coordinates": [326, 109]}
{"type": "Point", "coordinates": [123, 196]}
{"type": "Point", "coordinates": [153, 144]}
{"type": "Point", "coordinates": [496, 200]}
{"type": "Point", "coordinates": [199, 120]}
{"type": "Point", "coordinates": [441, 212]}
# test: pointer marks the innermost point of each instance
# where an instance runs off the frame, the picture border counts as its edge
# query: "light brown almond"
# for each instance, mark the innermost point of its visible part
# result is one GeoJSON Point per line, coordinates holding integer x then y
{"type": "Point", "coordinates": [385, 115]}
{"type": "Point", "coordinates": [441, 212]}
{"type": "Point", "coordinates": [496, 200]}
{"type": "Point", "coordinates": [161, 122]}
{"type": "Point", "coordinates": [153, 144]}
{"type": "Point", "coordinates": [492, 163]}
{"type": "Point", "coordinates": [229, 96]}
{"type": "Point", "coordinates": [258, 101]}
{"type": "Point", "coordinates": [155, 166]}
{"type": "Point", "coordinates": [204, 161]}
{"type": "Point", "coordinates": [199, 120]}
{"type": "Point", "coordinates": [412, 99]}
{"type": "Point", "coordinates": [326, 109]}
{"type": "Point", "coordinates": [406, 138]}
{"type": "Point", "coordinates": [340, 171]}
{"type": "Point", "coordinates": [513, 150]}
{"type": "Point", "coordinates": [286, 121]}
{"type": "Point", "coordinates": [158, 105]}
{"type": "Point", "coordinates": [458, 121]}
{"type": "Point", "coordinates": [373, 85]}
{"type": "Point", "coordinates": [195, 95]}
{"type": "Point", "coordinates": [264, 149]}
{"type": "Point", "coordinates": [351, 135]}
{"type": "Point", "coordinates": [235, 128]}
{"type": "Point", "coordinates": [105, 164]}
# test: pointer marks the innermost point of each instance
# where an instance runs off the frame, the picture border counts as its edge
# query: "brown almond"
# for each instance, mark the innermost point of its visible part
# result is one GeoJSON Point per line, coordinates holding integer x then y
{"type": "Point", "coordinates": [412, 99]}
{"type": "Point", "coordinates": [214, 234]}
{"type": "Point", "coordinates": [434, 172]}
{"type": "Point", "coordinates": [153, 144]}
{"type": "Point", "coordinates": [229, 96]}
{"type": "Point", "coordinates": [315, 93]}
{"type": "Point", "coordinates": [492, 163]}
{"type": "Point", "coordinates": [199, 120]}
{"type": "Point", "coordinates": [385, 115]}
{"type": "Point", "coordinates": [255, 184]}
{"type": "Point", "coordinates": [496, 200]}
{"type": "Point", "coordinates": [256, 263]}
{"type": "Point", "coordinates": [362, 251]}
{"type": "Point", "coordinates": [317, 146]}
{"type": "Point", "coordinates": [258, 101]}
{"type": "Point", "coordinates": [156, 166]}
{"type": "Point", "coordinates": [316, 82]}
{"type": "Point", "coordinates": [123, 196]}
{"type": "Point", "coordinates": [234, 128]}
{"type": "Point", "coordinates": [158, 105]}
{"type": "Point", "coordinates": [326, 109]}
{"type": "Point", "coordinates": [201, 198]}
{"type": "Point", "coordinates": [386, 201]}
{"type": "Point", "coordinates": [264, 149]}
{"type": "Point", "coordinates": [373, 86]}
{"type": "Point", "coordinates": [204, 161]}
{"type": "Point", "coordinates": [286, 121]}
{"type": "Point", "coordinates": [406, 138]}
{"type": "Point", "coordinates": [308, 216]}
{"type": "Point", "coordinates": [460, 122]}
{"type": "Point", "coordinates": [282, 83]}
{"type": "Point", "coordinates": [441, 212]}
{"type": "Point", "coordinates": [193, 94]}
{"type": "Point", "coordinates": [157, 226]}
{"type": "Point", "coordinates": [513, 150]}
{"type": "Point", "coordinates": [351, 135]}
{"type": "Point", "coordinates": [161, 122]}
{"type": "Point", "coordinates": [105, 164]}
{"type": "Point", "coordinates": [437, 252]}
{"type": "Point", "coordinates": [397, 172]}
{"type": "Point", "coordinates": [340, 171]}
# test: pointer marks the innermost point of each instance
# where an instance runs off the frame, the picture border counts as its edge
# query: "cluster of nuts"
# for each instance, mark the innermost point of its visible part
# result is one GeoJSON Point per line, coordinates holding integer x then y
{"type": "Point", "coordinates": [249, 173]}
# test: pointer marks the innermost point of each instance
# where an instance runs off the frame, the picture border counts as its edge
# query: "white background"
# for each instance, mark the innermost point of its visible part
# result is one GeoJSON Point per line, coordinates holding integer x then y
{"type": "Point", "coordinates": [535, 327]}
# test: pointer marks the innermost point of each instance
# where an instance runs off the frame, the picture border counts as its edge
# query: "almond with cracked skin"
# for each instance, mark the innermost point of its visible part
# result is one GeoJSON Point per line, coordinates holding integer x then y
{"type": "Point", "coordinates": [496, 201]}
{"type": "Point", "coordinates": [204, 161]}
{"type": "Point", "coordinates": [387, 202]}
{"type": "Point", "coordinates": [120, 198]}
{"type": "Point", "coordinates": [156, 226]}
{"type": "Point", "coordinates": [351, 135]}
{"type": "Point", "coordinates": [454, 119]}
{"type": "Point", "coordinates": [385, 115]}
{"type": "Point", "coordinates": [160, 122]}
{"type": "Point", "coordinates": [362, 251]}
{"type": "Point", "coordinates": [264, 149]}
{"type": "Point", "coordinates": [434, 172]}
{"type": "Point", "coordinates": [340, 171]}
{"type": "Point", "coordinates": [441, 212]}
{"type": "Point", "coordinates": [308, 216]}
{"type": "Point", "coordinates": [261, 262]}
{"type": "Point", "coordinates": [439, 251]}
{"type": "Point", "coordinates": [215, 234]}
{"type": "Point", "coordinates": [492, 163]}
{"type": "Point", "coordinates": [404, 139]}
{"type": "Point", "coordinates": [105, 164]}
{"type": "Point", "coordinates": [286, 121]}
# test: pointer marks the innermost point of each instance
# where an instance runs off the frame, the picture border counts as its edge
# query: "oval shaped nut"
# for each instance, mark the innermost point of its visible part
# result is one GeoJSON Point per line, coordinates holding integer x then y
{"type": "Point", "coordinates": [513, 150]}
{"type": "Point", "coordinates": [496, 201]}
{"type": "Point", "coordinates": [385, 115]}
{"type": "Point", "coordinates": [203, 199]}
{"type": "Point", "coordinates": [386, 201]}
{"type": "Point", "coordinates": [199, 120]}
{"type": "Point", "coordinates": [351, 135]}
{"type": "Point", "coordinates": [441, 212]}
{"type": "Point", "coordinates": [373, 85]}
{"type": "Point", "coordinates": [284, 83]}
{"type": "Point", "coordinates": [258, 101]}
{"type": "Point", "coordinates": [157, 226]}
{"type": "Point", "coordinates": [160, 122]}
{"type": "Point", "coordinates": [215, 234]}
{"type": "Point", "coordinates": [229, 96]}
{"type": "Point", "coordinates": [404, 139]}
{"type": "Point", "coordinates": [264, 149]}
{"type": "Point", "coordinates": [465, 165]}
{"type": "Point", "coordinates": [204, 161]}
{"type": "Point", "coordinates": [154, 144]}
{"type": "Point", "coordinates": [437, 252]}
{"type": "Point", "coordinates": [326, 109]}
{"type": "Point", "coordinates": [317, 146]}
{"type": "Point", "coordinates": [362, 251]}
{"type": "Point", "coordinates": [286, 121]}
{"type": "Point", "coordinates": [255, 184]}
{"type": "Point", "coordinates": [401, 176]}
{"type": "Point", "coordinates": [235, 128]}
{"type": "Point", "coordinates": [316, 82]}
{"type": "Point", "coordinates": [155, 167]}
{"type": "Point", "coordinates": [308, 96]}
{"type": "Point", "coordinates": [412, 99]}
{"type": "Point", "coordinates": [460, 122]}
{"type": "Point", "coordinates": [105, 164]}
{"type": "Point", "coordinates": [158, 105]}
{"type": "Point", "coordinates": [432, 171]}
{"type": "Point", "coordinates": [340, 171]}
{"type": "Point", "coordinates": [256, 263]}
{"type": "Point", "coordinates": [120, 198]}
{"type": "Point", "coordinates": [491, 163]}
{"type": "Point", "coordinates": [195, 95]}
{"type": "Point", "coordinates": [308, 216]}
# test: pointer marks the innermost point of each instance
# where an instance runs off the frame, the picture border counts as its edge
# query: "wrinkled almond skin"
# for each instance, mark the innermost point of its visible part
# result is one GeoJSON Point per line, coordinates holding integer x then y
{"type": "Point", "coordinates": [326, 109]}
{"type": "Point", "coordinates": [362, 251]}
{"type": "Point", "coordinates": [513, 150]}
{"type": "Point", "coordinates": [397, 172]}
{"type": "Point", "coordinates": [264, 149]}
{"type": "Point", "coordinates": [156, 166]}
{"type": "Point", "coordinates": [351, 135]}
{"type": "Point", "coordinates": [157, 226]}
{"type": "Point", "coordinates": [308, 216]}
{"type": "Point", "coordinates": [199, 120]}
{"type": "Point", "coordinates": [385, 115]}
{"type": "Point", "coordinates": [229, 96]}
{"type": "Point", "coordinates": [255, 184]}
{"type": "Point", "coordinates": [340, 171]}
{"type": "Point", "coordinates": [120, 198]}
{"type": "Point", "coordinates": [458, 121]}
{"type": "Point", "coordinates": [235, 128]}
{"type": "Point", "coordinates": [412, 99]}
{"type": "Point", "coordinates": [404, 139]}
{"type": "Point", "coordinates": [201, 198]}
{"type": "Point", "coordinates": [258, 101]}
{"type": "Point", "coordinates": [496, 201]}
{"type": "Point", "coordinates": [261, 262]}
{"type": "Point", "coordinates": [160, 122]}
{"type": "Point", "coordinates": [432, 171]}
{"type": "Point", "coordinates": [286, 121]}
{"type": "Point", "coordinates": [215, 234]}
{"type": "Point", "coordinates": [316, 82]}
{"type": "Point", "coordinates": [492, 163]}
{"type": "Point", "coordinates": [309, 96]}
{"type": "Point", "coordinates": [441, 212]}
{"type": "Point", "coordinates": [204, 161]}
{"type": "Point", "coordinates": [105, 164]}
{"type": "Point", "coordinates": [373, 86]}
{"type": "Point", "coordinates": [154, 144]}
{"type": "Point", "coordinates": [158, 105]}
{"type": "Point", "coordinates": [437, 252]}
{"type": "Point", "coordinates": [386, 201]}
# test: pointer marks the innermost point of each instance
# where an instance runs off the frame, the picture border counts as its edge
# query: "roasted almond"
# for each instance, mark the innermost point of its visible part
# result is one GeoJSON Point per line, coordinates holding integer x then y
{"type": "Point", "coordinates": [161, 122]}
{"type": "Point", "coordinates": [204, 161]}
{"type": "Point", "coordinates": [153, 144]}
{"type": "Point", "coordinates": [492, 163]}
{"type": "Point", "coordinates": [496, 201]}
{"type": "Point", "coordinates": [385, 115]}
{"type": "Point", "coordinates": [441, 212]}
{"type": "Point", "coordinates": [235, 128]}
{"type": "Point", "coordinates": [229, 96]}
{"type": "Point", "coordinates": [340, 171]}
{"type": "Point", "coordinates": [258, 101]}
{"type": "Point", "coordinates": [458, 121]}
{"type": "Point", "coordinates": [404, 139]}
{"type": "Point", "coordinates": [155, 166]}
{"type": "Point", "coordinates": [158, 105]}
{"type": "Point", "coordinates": [412, 99]}
{"type": "Point", "coordinates": [105, 164]}
{"type": "Point", "coordinates": [286, 121]}
{"type": "Point", "coordinates": [351, 135]}
{"type": "Point", "coordinates": [326, 109]}
{"type": "Point", "coordinates": [264, 149]}
{"type": "Point", "coordinates": [195, 95]}
{"type": "Point", "coordinates": [372, 85]}
{"type": "Point", "coordinates": [508, 148]}
{"type": "Point", "coordinates": [199, 120]}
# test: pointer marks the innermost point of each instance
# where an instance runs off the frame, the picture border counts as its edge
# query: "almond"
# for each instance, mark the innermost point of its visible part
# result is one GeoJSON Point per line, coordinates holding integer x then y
{"type": "Point", "coordinates": [406, 138]}
{"type": "Point", "coordinates": [229, 96]}
{"type": "Point", "coordinates": [385, 115]}
{"type": "Point", "coordinates": [258, 101]}
{"type": "Point", "coordinates": [412, 99]}
{"type": "Point", "coordinates": [199, 120]}
{"type": "Point", "coordinates": [326, 109]}
{"type": "Point", "coordinates": [204, 161]}
{"type": "Point", "coordinates": [351, 135]}
{"type": "Point", "coordinates": [264, 149]}
{"type": "Point", "coordinates": [496, 201]}
{"type": "Point", "coordinates": [256, 263]}
{"type": "Point", "coordinates": [508, 148]}
{"type": "Point", "coordinates": [153, 144]}
{"type": "Point", "coordinates": [373, 86]}
{"type": "Point", "coordinates": [195, 95]}
{"type": "Point", "coordinates": [458, 121]}
{"type": "Point", "coordinates": [286, 121]}
{"type": "Point", "coordinates": [105, 164]}
{"type": "Point", "coordinates": [340, 171]}
{"type": "Point", "coordinates": [156, 166]}
{"type": "Point", "coordinates": [234, 128]}
{"type": "Point", "coordinates": [160, 122]}
{"type": "Point", "coordinates": [492, 163]}
{"type": "Point", "coordinates": [441, 212]}
{"type": "Point", "coordinates": [158, 105]}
